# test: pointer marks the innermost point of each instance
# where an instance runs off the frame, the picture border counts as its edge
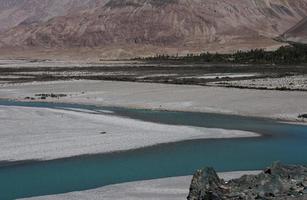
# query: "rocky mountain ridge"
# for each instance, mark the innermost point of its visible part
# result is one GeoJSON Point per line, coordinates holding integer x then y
{"type": "Point", "coordinates": [178, 25]}
{"type": "Point", "coordinates": [298, 33]}
{"type": "Point", "coordinates": [26, 12]}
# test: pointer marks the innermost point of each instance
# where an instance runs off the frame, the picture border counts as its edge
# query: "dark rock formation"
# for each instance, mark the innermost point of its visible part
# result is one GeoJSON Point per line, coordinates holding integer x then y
{"type": "Point", "coordinates": [279, 181]}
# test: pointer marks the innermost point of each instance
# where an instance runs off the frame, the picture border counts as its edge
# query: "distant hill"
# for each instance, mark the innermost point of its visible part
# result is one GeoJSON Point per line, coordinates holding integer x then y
{"type": "Point", "coordinates": [153, 25]}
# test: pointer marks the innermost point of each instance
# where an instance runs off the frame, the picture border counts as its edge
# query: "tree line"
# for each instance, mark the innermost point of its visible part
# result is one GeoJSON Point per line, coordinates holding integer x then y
{"type": "Point", "coordinates": [294, 54]}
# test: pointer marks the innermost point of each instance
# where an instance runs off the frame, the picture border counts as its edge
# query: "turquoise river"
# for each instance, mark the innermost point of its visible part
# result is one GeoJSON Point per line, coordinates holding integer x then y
{"type": "Point", "coordinates": [279, 141]}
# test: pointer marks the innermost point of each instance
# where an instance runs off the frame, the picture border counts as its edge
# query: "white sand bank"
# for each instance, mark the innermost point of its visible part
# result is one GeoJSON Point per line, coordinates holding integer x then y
{"type": "Point", "coordinates": [41, 133]}
{"type": "Point", "coordinates": [176, 188]}
{"type": "Point", "coordinates": [263, 103]}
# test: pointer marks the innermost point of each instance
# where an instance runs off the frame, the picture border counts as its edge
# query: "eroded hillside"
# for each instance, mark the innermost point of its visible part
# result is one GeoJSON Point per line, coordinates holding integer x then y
{"type": "Point", "coordinates": [180, 25]}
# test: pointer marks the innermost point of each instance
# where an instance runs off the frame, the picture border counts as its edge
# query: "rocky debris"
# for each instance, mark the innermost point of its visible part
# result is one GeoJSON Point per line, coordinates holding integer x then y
{"type": "Point", "coordinates": [288, 82]}
{"type": "Point", "coordinates": [29, 98]}
{"type": "Point", "coordinates": [44, 96]}
{"type": "Point", "coordinates": [279, 181]}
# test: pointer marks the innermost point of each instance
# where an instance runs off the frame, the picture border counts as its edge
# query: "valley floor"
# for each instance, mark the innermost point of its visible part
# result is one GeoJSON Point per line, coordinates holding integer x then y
{"type": "Point", "coordinates": [252, 76]}
{"type": "Point", "coordinates": [285, 105]}
{"type": "Point", "coordinates": [81, 131]}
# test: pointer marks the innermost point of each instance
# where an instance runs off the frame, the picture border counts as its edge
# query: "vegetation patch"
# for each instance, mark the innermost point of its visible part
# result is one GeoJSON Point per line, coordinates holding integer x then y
{"type": "Point", "coordinates": [294, 54]}
{"type": "Point", "coordinates": [304, 116]}
{"type": "Point", "coordinates": [44, 96]}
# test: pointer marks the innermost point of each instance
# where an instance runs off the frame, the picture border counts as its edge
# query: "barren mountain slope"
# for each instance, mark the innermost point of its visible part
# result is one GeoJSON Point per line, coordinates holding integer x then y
{"type": "Point", "coordinates": [14, 12]}
{"type": "Point", "coordinates": [297, 33]}
{"type": "Point", "coordinates": [177, 24]}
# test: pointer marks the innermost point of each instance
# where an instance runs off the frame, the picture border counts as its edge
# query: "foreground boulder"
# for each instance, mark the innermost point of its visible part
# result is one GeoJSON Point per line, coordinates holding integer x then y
{"type": "Point", "coordinates": [279, 181]}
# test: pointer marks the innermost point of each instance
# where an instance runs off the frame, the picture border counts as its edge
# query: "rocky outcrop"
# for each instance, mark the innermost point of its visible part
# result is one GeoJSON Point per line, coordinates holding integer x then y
{"type": "Point", "coordinates": [298, 33]}
{"type": "Point", "coordinates": [280, 182]}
